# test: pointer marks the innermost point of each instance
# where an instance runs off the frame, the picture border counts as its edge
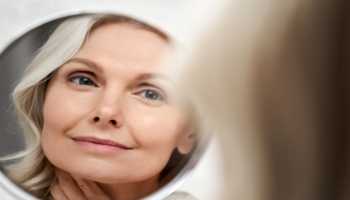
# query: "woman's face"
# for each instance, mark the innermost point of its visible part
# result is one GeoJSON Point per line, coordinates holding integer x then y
{"type": "Point", "coordinates": [111, 113]}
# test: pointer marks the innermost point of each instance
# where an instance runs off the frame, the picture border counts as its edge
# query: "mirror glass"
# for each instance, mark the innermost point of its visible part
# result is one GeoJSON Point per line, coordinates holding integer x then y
{"type": "Point", "coordinates": [97, 112]}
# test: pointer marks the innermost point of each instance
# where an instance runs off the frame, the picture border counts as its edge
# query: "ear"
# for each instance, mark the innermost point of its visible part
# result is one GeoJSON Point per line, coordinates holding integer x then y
{"type": "Point", "coordinates": [186, 143]}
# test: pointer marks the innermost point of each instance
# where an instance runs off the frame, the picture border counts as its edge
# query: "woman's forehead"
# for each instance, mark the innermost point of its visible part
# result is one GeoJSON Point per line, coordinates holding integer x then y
{"type": "Point", "coordinates": [125, 32]}
{"type": "Point", "coordinates": [125, 43]}
{"type": "Point", "coordinates": [132, 22]}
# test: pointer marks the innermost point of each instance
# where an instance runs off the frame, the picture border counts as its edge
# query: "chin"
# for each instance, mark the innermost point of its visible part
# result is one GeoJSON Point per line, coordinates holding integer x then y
{"type": "Point", "coordinates": [105, 175]}
{"type": "Point", "coordinates": [110, 179]}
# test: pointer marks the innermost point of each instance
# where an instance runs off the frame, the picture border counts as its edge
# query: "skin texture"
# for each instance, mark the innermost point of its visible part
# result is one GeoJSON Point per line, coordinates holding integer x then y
{"type": "Point", "coordinates": [114, 88]}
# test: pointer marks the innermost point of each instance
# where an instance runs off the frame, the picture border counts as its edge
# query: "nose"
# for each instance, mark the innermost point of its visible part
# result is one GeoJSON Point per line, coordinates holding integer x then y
{"type": "Point", "coordinates": [108, 113]}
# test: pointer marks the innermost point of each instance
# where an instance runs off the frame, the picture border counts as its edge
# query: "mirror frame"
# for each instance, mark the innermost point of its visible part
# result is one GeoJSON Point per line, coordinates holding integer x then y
{"type": "Point", "coordinates": [14, 191]}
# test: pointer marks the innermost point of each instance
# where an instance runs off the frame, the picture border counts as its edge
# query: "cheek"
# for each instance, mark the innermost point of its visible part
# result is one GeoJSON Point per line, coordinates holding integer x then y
{"type": "Point", "coordinates": [60, 115]}
{"type": "Point", "coordinates": [158, 135]}
{"type": "Point", "coordinates": [157, 128]}
{"type": "Point", "coordinates": [63, 108]}
{"type": "Point", "coordinates": [56, 115]}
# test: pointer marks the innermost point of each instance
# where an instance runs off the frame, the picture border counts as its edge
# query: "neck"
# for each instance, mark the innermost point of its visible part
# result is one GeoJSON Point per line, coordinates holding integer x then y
{"type": "Point", "coordinates": [131, 191]}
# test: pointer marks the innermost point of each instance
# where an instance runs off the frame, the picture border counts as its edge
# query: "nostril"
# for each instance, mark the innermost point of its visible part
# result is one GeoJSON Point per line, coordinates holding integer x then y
{"type": "Point", "coordinates": [114, 122]}
{"type": "Point", "coordinates": [96, 119]}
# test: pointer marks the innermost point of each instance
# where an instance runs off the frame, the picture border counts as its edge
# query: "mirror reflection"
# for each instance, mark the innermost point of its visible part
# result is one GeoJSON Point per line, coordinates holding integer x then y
{"type": "Point", "coordinates": [99, 114]}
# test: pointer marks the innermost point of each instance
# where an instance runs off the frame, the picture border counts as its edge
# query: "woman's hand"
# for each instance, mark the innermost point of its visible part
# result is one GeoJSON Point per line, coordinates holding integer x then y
{"type": "Point", "coordinates": [69, 187]}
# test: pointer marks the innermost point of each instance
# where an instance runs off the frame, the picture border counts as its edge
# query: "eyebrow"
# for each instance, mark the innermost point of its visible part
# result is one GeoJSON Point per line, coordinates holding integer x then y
{"type": "Point", "coordinates": [148, 76]}
{"type": "Point", "coordinates": [86, 62]}
{"type": "Point", "coordinates": [97, 67]}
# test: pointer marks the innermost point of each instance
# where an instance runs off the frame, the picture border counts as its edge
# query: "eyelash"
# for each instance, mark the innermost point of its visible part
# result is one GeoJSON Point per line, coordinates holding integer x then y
{"type": "Point", "coordinates": [76, 78]}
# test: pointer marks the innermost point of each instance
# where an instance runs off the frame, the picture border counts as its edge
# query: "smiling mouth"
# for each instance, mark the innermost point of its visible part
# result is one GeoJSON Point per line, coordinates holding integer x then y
{"type": "Point", "coordinates": [100, 142]}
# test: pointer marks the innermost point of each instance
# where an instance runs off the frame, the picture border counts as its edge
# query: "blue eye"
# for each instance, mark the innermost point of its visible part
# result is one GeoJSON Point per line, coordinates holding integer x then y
{"type": "Point", "coordinates": [151, 95]}
{"type": "Point", "coordinates": [82, 80]}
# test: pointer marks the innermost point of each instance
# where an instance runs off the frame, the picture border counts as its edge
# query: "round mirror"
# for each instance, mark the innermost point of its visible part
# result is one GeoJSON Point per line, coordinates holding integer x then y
{"type": "Point", "coordinates": [88, 108]}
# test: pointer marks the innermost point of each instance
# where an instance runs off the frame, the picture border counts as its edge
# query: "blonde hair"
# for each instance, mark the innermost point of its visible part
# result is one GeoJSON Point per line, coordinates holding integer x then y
{"type": "Point", "coordinates": [33, 171]}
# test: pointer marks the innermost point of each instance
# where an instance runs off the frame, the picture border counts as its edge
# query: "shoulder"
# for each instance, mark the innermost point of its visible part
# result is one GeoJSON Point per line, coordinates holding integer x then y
{"type": "Point", "coordinates": [179, 195]}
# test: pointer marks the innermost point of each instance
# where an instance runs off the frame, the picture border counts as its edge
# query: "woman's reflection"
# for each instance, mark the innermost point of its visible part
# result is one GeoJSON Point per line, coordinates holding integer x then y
{"type": "Point", "coordinates": [108, 122]}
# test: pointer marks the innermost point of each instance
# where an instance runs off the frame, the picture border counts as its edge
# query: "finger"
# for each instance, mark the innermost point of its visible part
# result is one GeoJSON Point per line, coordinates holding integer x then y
{"type": "Point", "coordinates": [57, 193]}
{"type": "Point", "coordinates": [91, 189]}
{"type": "Point", "coordinates": [69, 186]}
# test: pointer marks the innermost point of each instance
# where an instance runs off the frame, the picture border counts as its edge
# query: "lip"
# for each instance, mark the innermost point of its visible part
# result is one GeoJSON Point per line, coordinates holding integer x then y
{"type": "Point", "coordinates": [100, 142]}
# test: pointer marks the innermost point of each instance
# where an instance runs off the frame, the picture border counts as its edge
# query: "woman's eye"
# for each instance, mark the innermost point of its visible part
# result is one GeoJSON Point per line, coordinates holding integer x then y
{"type": "Point", "coordinates": [82, 80]}
{"type": "Point", "coordinates": [152, 95]}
